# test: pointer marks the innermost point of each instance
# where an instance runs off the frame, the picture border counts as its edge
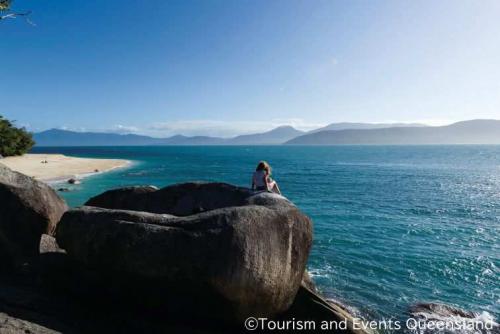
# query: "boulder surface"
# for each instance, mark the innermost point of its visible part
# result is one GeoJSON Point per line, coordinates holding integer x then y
{"type": "Point", "coordinates": [28, 209]}
{"type": "Point", "coordinates": [179, 199]}
{"type": "Point", "coordinates": [212, 249]}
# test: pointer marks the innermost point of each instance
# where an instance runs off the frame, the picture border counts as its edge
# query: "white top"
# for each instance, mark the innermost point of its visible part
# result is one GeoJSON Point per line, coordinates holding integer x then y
{"type": "Point", "coordinates": [259, 178]}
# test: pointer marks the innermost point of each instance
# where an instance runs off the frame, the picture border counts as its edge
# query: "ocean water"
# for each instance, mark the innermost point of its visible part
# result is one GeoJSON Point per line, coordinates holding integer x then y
{"type": "Point", "coordinates": [393, 225]}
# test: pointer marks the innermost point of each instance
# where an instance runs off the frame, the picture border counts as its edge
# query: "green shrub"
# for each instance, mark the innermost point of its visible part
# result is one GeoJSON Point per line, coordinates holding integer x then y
{"type": "Point", "coordinates": [5, 5]}
{"type": "Point", "coordinates": [13, 140]}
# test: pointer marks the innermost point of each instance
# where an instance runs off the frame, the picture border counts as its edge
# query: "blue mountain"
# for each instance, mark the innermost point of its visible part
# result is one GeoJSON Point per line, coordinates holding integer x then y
{"type": "Point", "coordinates": [466, 132]}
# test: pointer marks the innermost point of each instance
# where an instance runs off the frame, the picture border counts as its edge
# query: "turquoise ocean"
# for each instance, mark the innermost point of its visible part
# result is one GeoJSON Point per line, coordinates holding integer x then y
{"type": "Point", "coordinates": [393, 225]}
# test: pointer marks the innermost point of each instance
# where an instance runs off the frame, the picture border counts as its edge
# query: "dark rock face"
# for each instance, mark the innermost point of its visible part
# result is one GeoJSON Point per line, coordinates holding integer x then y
{"type": "Point", "coordinates": [12, 325]}
{"type": "Point", "coordinates": [226, 254]}
{"type": "Point", "coordinates": [30, 309]}
{"type": "Point", "coordinates": [123, 198]}
{"type": "Point", "coordinates": [213, 249]}
{"type": "Point", "coordinates": [28, 209]}
{"type": "Point", "coordinates": [310, 305]}
{"type": "Point", "coordinates": [308, 282]}
{"type": "Point", "coordinates": [180, 199]}
{"type": "Point", "coordinates": [439, 311]}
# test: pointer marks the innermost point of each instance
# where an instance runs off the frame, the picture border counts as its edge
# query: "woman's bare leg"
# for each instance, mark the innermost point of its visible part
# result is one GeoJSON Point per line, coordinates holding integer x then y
{"type": "Point", "coordinates": [275, 188]}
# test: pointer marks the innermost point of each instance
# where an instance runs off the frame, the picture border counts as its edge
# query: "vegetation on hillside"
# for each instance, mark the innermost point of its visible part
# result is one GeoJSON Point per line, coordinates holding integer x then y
{"type": "Point", "coordinates": [13, 140]}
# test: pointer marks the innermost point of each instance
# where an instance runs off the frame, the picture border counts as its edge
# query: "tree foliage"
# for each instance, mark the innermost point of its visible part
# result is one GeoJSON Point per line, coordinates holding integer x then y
{"type": "Point", "coordinates": [5, 5]}
{"type": "Point", "coordinates": [14, 140]}
{"type": "Point", "coordinates": [7, 13]}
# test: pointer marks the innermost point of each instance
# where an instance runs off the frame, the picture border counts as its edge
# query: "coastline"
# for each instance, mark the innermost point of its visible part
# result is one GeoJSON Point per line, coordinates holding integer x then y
{"type": "Point", "coordinates": [59, 167]}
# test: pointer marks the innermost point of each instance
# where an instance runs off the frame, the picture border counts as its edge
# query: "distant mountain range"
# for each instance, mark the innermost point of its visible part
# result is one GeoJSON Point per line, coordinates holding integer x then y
{"type": "Point", "coordinates": [56, 137]}
{"type": "Point", "coordinates": [365, 126]}
{"type": "Point", "coordinates": [466, 132]}
{"type": "Point", "coordinates": [276, 136]}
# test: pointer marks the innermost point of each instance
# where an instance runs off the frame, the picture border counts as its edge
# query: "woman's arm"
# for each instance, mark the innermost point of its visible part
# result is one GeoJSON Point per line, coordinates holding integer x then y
{"type": "Point", "coordinates": [278, 191]}
{"type": "Point", "coordinates": [269, 182]}
{"type": "Point", "coordinates": [272, 185]}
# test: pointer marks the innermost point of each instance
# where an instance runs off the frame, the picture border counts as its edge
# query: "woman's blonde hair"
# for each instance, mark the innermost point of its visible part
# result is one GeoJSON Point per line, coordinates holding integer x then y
{"type": "Point", "coordinates": [263, 165]}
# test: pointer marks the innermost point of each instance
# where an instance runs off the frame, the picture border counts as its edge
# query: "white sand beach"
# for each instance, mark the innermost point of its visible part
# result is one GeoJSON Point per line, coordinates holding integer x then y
{"type": "Point", "coordinates": [58, 166]}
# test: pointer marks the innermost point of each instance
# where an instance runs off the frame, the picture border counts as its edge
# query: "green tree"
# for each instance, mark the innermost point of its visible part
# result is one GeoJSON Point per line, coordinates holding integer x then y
{"type": "Point", "coordinates": [14, 140]}
{"type": "Point", "coordinates": [7, 13]}
{"type": "Point", "coordinates": [5, 5]}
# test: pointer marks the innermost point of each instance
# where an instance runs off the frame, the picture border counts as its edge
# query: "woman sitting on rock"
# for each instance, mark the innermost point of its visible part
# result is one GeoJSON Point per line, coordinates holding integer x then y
{"type": "Point", "coordinates": [262, 180]}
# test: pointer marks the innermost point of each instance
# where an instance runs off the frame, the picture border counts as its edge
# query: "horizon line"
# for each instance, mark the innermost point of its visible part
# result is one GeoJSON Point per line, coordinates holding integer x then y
{"type": "Point", "coordinates": [123, 130]}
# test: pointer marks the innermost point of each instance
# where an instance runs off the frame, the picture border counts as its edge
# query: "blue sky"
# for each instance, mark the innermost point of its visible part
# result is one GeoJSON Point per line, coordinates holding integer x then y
{"type": "Point", "coordinates": [226, 67]}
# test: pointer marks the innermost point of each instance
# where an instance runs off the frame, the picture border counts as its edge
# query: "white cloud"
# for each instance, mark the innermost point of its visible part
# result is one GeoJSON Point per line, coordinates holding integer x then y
{"type": "Point", "coordinates": [70, 128]}
{"type": "Point", "coordinates": [202, 127]}
{"type": "Point", "coordinates": [125, 129]}
{"type": "Point", "coordinates": [224, 128]}
{"type": "Point", "coordinates": [228, 129]}
{"type": "Point", "coordinates": [121, 129]}
{"type": "Point", "coordinates": [427, 121]}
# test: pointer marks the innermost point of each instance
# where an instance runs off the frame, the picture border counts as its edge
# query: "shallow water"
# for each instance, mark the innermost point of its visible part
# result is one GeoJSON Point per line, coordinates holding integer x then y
{"type": "Point", "coordinates": [394, 225]}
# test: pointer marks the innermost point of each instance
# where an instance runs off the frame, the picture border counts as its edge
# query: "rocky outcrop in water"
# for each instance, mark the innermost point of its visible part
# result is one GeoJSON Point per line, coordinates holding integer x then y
{"type": "Point", "coordinates": [28, 209]}
{"type": "Point", "coordinates": [177, 260]}
{"type": "Point", "coordinates": [438, 310]}
{"type": "Point", "coordinates": [220, 249]}
{"type": "Point", "coordinates": [474, 322]}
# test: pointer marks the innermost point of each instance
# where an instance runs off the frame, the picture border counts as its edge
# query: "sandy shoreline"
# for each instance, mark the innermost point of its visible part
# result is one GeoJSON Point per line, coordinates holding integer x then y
{"type": "Point", "coordinates": [59, 167]}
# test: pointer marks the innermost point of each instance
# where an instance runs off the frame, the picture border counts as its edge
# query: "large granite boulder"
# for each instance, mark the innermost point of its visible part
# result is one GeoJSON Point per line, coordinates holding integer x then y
{"type": "Point", "coordinates": [214, 250]}
{"type": "Point", "coordinates": [181, 199]}
{"type": "Point", "coordinates": [28, 209]}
